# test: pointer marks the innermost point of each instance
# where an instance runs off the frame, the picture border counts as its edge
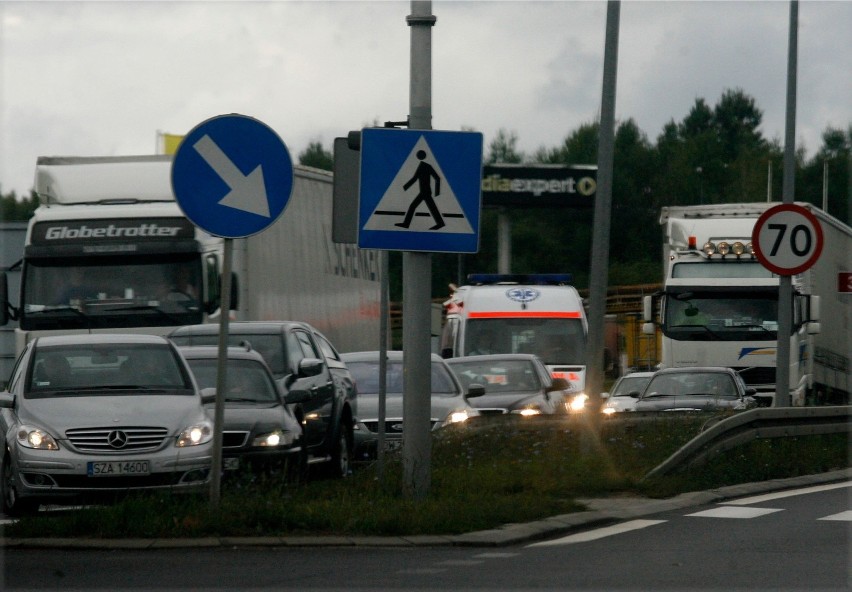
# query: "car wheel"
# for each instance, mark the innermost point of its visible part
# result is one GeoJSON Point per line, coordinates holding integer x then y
{"type": "Point", "coordinates": [12, 504]}
{"type": "Point", "coordinates": [341, 456]}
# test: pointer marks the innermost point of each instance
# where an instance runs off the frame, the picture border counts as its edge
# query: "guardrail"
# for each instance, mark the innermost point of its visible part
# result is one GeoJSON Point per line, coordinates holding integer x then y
{"type": "Point", "coordinates": [773, 422]}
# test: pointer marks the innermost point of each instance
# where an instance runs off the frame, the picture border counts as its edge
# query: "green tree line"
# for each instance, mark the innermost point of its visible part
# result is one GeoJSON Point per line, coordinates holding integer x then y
{"type": "Point", "coordinates": [715, 154]}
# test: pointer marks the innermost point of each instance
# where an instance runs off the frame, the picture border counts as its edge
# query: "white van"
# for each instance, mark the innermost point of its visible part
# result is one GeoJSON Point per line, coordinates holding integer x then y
{"type": "Point", "coordinates": [540, 314]}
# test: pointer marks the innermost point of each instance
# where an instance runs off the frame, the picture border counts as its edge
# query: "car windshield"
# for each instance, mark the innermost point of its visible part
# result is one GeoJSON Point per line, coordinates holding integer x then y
{"type": "Point", "coordinates": [268, 345]}
{"type": "Point", "coordinates": [104, 369]}
{"type": "Point", "coordinates": [247, 380]}
{"type": "Point", "coordinates": [630, 384]}
{"type": "Point", "coordinates": [504, 376]}
{"type": "Point", "coordinates": [709, 384]}
{"type": "Point", "coordinates": [366, 375]}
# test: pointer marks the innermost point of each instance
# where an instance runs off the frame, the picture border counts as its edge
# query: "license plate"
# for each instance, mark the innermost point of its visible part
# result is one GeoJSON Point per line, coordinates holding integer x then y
{"type": "Point", "coordinates": [393, 444]}
{"type": "Point", "coordinates": [230, 463]}
{"type": "Point", "coordinates": [119, 468]}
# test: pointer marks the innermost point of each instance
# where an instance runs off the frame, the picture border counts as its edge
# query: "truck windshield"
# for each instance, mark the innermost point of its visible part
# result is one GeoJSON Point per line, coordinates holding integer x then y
{"type": "Point", "coordinates": [697, 316]}
{"type": "Point", "coordinates": [555, 341]}
{"type": "Point", "coordinates": [111, 292]}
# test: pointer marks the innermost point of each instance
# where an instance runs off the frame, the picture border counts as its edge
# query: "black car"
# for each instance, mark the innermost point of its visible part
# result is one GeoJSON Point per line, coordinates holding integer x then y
{"type": "Point", "coordinates": [260, 432]}
{"type": "Point", "coordinates": [301, 359]}
{"type": "Point", "coordinates": [708, 388]}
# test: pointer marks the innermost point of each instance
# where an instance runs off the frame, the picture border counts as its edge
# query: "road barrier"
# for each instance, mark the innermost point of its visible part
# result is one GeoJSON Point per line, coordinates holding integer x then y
{"type": "Point", "coordinates": [774, 422]}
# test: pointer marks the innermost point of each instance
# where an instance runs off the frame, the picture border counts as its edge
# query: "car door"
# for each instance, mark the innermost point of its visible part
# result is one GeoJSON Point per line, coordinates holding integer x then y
{"type": "Point", "coordinates": [318, 408]}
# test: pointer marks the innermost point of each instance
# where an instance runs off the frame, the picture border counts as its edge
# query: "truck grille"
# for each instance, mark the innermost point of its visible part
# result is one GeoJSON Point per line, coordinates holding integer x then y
{"type": "Point", "coordinates": [117, 439]}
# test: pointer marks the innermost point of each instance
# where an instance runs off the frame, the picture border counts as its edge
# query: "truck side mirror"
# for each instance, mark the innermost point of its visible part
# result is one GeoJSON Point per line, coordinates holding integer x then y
{"type": "Point", "coordinates": [648, 309]}
{"type": "Point", "coordinates": [813, 309]}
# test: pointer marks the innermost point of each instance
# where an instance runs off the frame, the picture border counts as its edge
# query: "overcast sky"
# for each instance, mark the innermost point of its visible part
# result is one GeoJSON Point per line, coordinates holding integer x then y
{"type": "Point", "coordinates": [102, 78]}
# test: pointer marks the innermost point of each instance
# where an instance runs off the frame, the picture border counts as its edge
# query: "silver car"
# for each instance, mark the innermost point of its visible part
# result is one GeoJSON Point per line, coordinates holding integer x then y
{"type": "Point", "coordinates": [449, 402]}
{"type": "Point", "coordinates": [87, 415]}
{"type": "Point", "coordinates": [514, 383]}
{"type": "Point", "coordinates": [625, 392]}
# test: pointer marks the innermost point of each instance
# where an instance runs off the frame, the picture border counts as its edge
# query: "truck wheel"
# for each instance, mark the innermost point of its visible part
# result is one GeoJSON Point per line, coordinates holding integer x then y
{"type": "Point", "coordinates": [12, 504]}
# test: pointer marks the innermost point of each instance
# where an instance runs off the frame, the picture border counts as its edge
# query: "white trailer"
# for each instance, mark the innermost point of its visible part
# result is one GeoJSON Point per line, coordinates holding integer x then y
{"type": "Point", "coordinates": [110, 250]}
{"type": "Point", "coordinates": [538, 313]}
{"type": "Point", "coordinates": [719, 305]}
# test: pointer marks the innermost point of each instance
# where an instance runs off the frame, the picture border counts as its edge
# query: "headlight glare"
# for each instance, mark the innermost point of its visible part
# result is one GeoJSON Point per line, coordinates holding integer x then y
{"type": "Point", "coordinates": [528, 411]}
{"type": "Point", "coordinates": [578, 402]}
{"type": "Point", "coordinates": [276, 438]}
{"type": "Point", "coordinates": [194, 435]}
{"type": "Point", "coordinates": [33, 437]}
{"type": "Point", "coordinates": [457, 417]}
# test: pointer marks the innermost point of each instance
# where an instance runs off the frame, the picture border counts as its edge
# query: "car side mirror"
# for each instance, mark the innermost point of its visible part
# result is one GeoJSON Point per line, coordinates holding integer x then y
{"type": "Point", "coordinates": [7, 400]}
{"type": "Point", "coordinates": [604, 396]}
{"type": "Point", "coordinates": [750, 391]}
{"type": "Point", "coordinates": [559, 384]}
{"type": "Point", "coordinates": [297, 396]}
{"type": "Point", "coordinates": [475, 390]}
{"type": "Point", "coordinates": [310, 367]}
{"type": "Point", "coordinates": [208, 395]}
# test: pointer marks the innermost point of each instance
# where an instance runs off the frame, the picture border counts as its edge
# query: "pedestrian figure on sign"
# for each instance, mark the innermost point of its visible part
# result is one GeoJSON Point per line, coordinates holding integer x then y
{"type": "Point", "coordinates": [423, 176]}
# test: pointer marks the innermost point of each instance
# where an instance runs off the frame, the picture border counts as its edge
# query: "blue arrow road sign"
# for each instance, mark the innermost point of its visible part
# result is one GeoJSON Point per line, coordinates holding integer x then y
{"type": "Point", "coordinates": [420, 190]}
{"type": "Point", "coordinates": [232, 176]}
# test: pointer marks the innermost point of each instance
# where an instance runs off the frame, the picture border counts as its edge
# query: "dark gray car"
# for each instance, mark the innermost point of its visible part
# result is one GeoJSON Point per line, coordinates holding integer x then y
{"type": "Point", "coordinates": [260, 432]}
{"type": "Point", "coordinates": [301, 359]}
{"type": "Point", "coordinates": [696, 389]}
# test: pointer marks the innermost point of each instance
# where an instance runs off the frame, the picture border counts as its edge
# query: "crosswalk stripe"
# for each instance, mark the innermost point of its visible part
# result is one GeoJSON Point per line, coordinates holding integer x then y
{"type": "Point", "coordinates": [599, 533]}
{"type": "Point", "coordinates": [842, 516]}
{"type": "Point", "coordinates": [757, 499]}
{"type": "Point", "coordinates": [734, 512]}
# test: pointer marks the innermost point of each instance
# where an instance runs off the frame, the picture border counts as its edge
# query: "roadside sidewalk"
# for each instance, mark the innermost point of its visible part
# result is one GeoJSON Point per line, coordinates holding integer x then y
{"type": "Point", "coordinates": [601, 511]}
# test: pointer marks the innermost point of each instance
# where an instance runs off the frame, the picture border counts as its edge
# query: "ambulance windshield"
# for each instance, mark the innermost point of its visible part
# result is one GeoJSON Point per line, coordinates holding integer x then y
{"type": "Point", "coordinates": [554, 340]}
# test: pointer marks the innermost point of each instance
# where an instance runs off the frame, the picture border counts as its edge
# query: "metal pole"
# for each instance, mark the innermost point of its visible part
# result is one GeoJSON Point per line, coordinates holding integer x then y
{"type": "Point", "coordinates": [785, 284]}
{"type": "Point", "coordinates": [383, 364]}
{"type": "Point", "coordinates": [504, 241]}
{"type": "Point", "coordinates": [221, 374]}
{"type": "Point", "coordinates": [603, 207]}
{"type": "Point", "coordinates": [417, 283]}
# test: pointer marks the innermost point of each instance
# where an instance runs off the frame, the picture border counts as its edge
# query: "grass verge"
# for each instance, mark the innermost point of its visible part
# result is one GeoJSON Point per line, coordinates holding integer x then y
{"type": "Point", "coordinates": [482, 476]}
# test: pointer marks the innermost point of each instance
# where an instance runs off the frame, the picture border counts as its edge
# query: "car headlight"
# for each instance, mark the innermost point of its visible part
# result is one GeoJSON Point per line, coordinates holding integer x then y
{"type": "Point", "coordinates": [200, 433]}
{"type": "Point", "coordinates": [608, 410]}
{"type": "Point", "coordinates": [527, 411]}
{"type": "Point", "coordinates": [33, 437]}
{"type": "Point", "coordinates": [578, 402]}
{"type": "Point", "coordinates": [272, 439]}
{"type": "Point", "coordinates": [457, 417]}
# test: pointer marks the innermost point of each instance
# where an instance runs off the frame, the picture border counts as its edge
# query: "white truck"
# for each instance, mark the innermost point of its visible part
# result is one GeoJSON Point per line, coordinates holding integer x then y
{"type": "Point", "coordinates": [110, 250]}
{"type": "Point", "coordinates": [719, 304]}
{"type": "Point", "coordinates": [515, 313]}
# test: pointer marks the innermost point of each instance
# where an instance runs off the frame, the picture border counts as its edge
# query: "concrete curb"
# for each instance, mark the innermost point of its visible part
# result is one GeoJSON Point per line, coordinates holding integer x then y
{"type": "Point", "coordinates": [601, 511]}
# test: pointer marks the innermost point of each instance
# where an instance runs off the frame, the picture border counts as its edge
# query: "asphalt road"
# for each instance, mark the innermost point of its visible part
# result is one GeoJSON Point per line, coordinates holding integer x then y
{"type": "Point", "coordinates": [793, 536]}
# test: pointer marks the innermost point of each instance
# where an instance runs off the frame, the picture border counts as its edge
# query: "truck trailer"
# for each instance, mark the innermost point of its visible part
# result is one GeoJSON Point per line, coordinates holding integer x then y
{"type": "Point", "coordinates": [719, 304]}
{"type": "Point", "coordinates": [110, 250]}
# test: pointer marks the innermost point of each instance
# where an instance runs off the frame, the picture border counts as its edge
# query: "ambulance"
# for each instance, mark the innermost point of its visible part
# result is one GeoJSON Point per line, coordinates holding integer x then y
{"type": "Point", "coordinates": [541, 314]}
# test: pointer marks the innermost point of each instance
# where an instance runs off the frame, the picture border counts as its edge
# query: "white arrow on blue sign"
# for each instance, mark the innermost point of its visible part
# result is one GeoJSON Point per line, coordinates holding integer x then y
{"type": "Point", "coordinates": [420, 190]}
{"type": "Point", "coordinates": [232, 176]}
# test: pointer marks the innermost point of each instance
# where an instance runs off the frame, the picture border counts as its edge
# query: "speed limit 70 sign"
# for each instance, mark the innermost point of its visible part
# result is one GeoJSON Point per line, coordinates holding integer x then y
{"type": "Point", "coordinates": [787, 239]}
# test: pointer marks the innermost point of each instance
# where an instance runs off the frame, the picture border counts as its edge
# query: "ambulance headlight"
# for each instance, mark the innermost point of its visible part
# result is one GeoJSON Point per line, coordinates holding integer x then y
{"type": "Point", "coordinates": [724, 248]}
{"type": "Point", "coordinates": [709, 248]}
{"type": "Point", "coordinates": [738, 248]}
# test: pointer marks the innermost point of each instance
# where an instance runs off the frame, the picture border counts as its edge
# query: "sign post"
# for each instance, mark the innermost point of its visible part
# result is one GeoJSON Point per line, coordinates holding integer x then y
{"type": "Point", "coordinates": [787, 240]}
{"type": "Point", "coordinates": [232, 177]}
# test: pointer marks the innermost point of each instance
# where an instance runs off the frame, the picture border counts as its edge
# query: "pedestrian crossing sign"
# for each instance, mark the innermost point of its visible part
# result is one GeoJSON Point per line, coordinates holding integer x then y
{"type": "Point", "coordinates": [420, 190]}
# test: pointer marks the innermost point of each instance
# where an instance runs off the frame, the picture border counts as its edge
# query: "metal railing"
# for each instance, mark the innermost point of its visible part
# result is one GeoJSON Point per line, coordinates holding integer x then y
{"type": "Point", "coordinates": [774, 422]}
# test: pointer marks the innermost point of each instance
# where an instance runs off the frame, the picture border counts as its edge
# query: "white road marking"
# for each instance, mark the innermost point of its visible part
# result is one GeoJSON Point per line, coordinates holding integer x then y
{"type": "Point", "coordinates": [841, 517]}
{"type": "Point", "coordinates": [599, 533]}
{"type": "Point", "coordinates": [734, 512]}
{"type": "Point", "coordinates": [495, 555]}
{"type": "Point", "coordinates": [757, 499]}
